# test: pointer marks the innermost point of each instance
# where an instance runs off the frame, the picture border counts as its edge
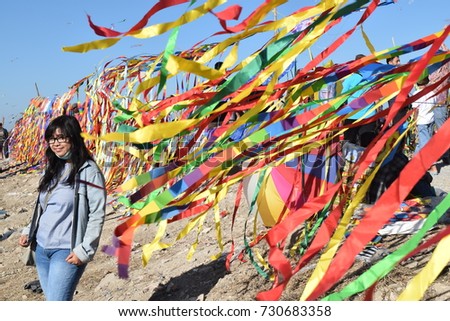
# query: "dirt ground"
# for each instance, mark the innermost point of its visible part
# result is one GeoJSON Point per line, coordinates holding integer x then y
{"type": "Point", "coordinates": [169, 275]}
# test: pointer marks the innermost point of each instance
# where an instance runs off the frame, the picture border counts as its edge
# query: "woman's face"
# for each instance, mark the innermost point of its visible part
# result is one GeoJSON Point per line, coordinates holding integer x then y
{"type": "Point", "coordinates": [59, 143]}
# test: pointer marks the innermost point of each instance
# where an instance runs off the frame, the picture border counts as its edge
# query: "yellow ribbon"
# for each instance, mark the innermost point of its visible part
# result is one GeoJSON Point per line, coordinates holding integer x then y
{"type": "Point", "coordinates": [367, 40]}
{"type": "Point", "coordinates": [416, 288]}
{"type": "Point", "coordinates": [148, 249]}
{"type": "Point", "coordinates": [149, 133]}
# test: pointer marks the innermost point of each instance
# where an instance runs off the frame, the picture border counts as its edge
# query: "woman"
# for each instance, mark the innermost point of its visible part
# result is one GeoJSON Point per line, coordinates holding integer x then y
{"type": "Point", "coordinates": [70, 211]}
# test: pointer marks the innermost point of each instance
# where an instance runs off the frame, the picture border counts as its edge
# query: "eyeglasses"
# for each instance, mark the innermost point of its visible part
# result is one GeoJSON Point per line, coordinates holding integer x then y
{"type": "Point", "coordinates": [60, 139]}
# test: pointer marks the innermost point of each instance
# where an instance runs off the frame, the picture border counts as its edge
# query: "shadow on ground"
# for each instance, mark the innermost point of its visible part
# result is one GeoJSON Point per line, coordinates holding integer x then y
{"type": "Point", "coordinates": [192, 285]}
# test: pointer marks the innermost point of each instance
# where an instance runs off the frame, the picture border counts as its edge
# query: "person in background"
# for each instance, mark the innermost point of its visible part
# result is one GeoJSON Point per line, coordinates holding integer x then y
{"type": "Point", "coordinates": [440, 111]}
{"type": "Point", "coordinates": [425, 118]}
{"type": "Point", "coordinates": [67, 223]}
{"type": "Point", "coordinates": [218, 65]}
{"type": "Point", "coordinates": [363, 134]}
{"type": "Point", "coordinates": [3, 137]}
{"type": "Point", "coordinates": [328, 89]}
{"type": "Point", "coordinates": [394, 61]}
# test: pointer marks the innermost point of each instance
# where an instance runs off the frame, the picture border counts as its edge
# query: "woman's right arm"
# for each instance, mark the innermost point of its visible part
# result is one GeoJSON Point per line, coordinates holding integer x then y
{"type": "Point", "coordinates": [23, 240]}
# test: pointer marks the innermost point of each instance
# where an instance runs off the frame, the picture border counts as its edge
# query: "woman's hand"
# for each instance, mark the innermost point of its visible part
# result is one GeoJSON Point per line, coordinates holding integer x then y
{"type": "Point", "coordinates": [73, 259]}
{"type": "Point", "coordinates": [23, 240]}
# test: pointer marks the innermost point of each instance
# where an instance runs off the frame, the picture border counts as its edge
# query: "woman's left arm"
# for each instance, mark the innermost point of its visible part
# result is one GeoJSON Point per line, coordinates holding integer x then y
{"type": "Point", "coordinates": [94, 218]}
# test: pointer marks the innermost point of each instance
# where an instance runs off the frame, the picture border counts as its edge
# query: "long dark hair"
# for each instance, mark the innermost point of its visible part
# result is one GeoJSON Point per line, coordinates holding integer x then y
{"type": "Point", "coordinates": [70, 128]}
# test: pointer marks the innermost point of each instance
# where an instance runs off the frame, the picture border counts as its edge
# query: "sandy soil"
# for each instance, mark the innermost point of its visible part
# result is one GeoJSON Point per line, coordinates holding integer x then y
{"type": "Point", "coordinates": [169, 275]}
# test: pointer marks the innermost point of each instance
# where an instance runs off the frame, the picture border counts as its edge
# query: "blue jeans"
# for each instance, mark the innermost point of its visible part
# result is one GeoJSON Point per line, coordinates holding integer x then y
{"type": "Point", "coordinates": [440, 116]}
{"type": "Point", "coordinates": [424, 134]}
{"type": "Point", "coordinates": [57, 277]}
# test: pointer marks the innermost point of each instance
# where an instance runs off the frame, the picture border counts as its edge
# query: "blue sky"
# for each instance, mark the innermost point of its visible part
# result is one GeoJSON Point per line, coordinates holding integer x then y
{"type": "Point", "coordinates": [33, 33]}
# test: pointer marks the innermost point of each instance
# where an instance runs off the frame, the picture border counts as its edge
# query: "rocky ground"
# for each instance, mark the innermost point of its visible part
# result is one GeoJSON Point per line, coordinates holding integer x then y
{"type": "Point", "coordinates": [169, 275]}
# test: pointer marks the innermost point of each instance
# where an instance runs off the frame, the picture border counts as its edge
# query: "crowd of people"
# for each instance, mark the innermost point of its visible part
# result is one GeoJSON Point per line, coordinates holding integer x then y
{"type": "Point", "coordinates": [430, 111]}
